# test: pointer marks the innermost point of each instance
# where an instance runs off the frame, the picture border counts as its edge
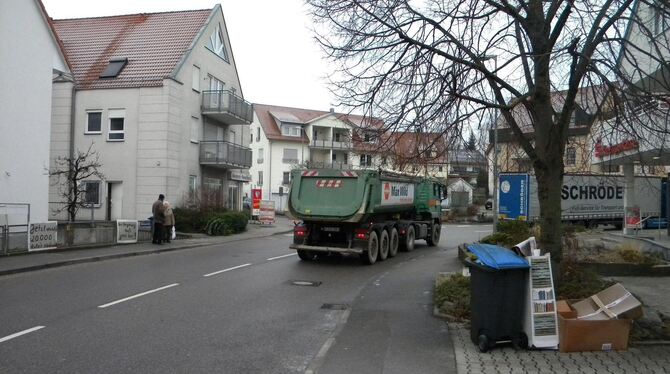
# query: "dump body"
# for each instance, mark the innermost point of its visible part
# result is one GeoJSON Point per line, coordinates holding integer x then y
{"type": "Point", "coordinates": [365, 212]}
{"type": "Point", "coordinates": [584, 198]}
{"type": "Point", "coordinates": [355, 196]}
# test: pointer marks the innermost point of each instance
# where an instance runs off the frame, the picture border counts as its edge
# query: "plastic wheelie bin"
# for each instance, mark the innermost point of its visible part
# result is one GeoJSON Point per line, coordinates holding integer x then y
{"type": "Point", "coordinates": [497, 292]}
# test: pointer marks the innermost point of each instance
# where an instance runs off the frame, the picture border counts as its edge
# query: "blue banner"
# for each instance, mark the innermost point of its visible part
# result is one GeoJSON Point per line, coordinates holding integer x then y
{"type": "Point", "coordinates": [514, 196]}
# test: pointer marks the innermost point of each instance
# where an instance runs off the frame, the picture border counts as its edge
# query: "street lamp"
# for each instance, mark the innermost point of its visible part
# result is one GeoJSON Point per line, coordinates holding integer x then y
{"type": "Point", "coordinates": [495, 149]}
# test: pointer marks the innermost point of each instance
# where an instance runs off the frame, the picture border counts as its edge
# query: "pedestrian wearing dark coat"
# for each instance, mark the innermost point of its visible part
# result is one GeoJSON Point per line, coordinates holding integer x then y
{"type": "Point", "coordinates": [158, 211]}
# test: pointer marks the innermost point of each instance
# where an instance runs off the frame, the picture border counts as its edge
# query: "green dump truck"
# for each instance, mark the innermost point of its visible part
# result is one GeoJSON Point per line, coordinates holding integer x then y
{"type": "Point", "coordinates": [369, 213]}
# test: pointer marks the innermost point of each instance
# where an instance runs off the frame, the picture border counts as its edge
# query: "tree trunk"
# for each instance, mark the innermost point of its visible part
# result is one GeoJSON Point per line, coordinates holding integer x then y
{"type": "Point", "coordinates": [549, 183]}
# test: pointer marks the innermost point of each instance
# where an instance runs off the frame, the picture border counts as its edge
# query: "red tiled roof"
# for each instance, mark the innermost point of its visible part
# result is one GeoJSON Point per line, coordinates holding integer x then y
{"type": "Point", "coordinates": [153, 43]}
{"type": "Point", "coordinates": [267, 113]}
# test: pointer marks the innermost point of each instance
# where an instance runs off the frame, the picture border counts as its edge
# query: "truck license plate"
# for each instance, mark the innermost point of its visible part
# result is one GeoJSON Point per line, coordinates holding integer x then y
{"type": "Point", "coordinates": [330, 229]}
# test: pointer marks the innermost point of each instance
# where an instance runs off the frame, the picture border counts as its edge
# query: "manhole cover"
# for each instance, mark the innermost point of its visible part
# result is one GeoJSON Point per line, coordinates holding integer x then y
{"type": "Point", "coordinates": [335, 306]}
{"type": "Point", "coordinates": [306, 283]}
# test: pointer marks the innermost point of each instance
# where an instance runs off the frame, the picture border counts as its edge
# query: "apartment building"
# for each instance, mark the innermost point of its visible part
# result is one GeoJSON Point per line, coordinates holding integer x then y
{"type": "Point", "coordinates": [158, 97]}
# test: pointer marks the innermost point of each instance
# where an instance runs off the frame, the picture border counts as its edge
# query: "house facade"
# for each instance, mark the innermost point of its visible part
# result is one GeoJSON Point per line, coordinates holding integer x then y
{"type": "Point", "coordinates": [158, 97]}
{"type": "Point", "coordinates": [284, 138]}
{"type": "Point", "coordinates": [32, 59]}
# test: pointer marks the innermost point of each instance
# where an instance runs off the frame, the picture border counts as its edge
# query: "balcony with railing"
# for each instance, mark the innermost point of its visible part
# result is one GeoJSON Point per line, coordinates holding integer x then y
{"type": "Point", "coordinates": [331, 144]}
{"type": "Point", "coordinates": [224, 106]}
{"type": "Point", "coordinates": [225, 155]}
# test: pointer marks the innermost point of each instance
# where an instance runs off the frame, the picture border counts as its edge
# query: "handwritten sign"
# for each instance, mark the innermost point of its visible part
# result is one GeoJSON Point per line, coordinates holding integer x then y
{"type": "Point", "coordinates": [126, 231]}
{"type": "Point", "coordinates": [43, 236]}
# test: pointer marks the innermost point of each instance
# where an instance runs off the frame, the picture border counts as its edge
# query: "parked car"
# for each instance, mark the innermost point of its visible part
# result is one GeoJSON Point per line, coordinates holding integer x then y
{"type": "Point", "coordinates": [489, 204]}
{"type": "Point", "coordinates": [656, 223]}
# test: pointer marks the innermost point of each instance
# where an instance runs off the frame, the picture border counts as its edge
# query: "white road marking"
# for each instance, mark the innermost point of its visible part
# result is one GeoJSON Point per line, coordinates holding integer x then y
{"type": "Point", "coordinates": [278, 257]}
{"type": "Point", "coordinates": [138, 295]}
{"type": "Point", "coordinates": [463, 225]}
{"type": "Point", "coordinates": [9, 337]}
{"type": "Point", "coordinates": [225, 270]}
{"type": "Point", "coordinates": [484, 231]}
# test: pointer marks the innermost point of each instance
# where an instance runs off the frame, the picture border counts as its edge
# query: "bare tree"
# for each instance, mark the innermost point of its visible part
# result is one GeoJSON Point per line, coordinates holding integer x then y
{"type": "Point", "coordinates": [69, 173]}
{"type": "Point", "coordinates": [441, 65]}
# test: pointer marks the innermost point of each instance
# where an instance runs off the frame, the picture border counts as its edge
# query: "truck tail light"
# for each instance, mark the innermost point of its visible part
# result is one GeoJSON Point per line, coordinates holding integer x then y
{"type": "Point", "coordinates": [300, 231]}
{"type": "Point", "coordinates": [361, 234]}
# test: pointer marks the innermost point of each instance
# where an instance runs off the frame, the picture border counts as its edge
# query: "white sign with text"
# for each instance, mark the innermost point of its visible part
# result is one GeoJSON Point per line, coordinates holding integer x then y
{"type": "Point", "coordinates": [126, 231]}
{"type": "Point", "coordinates": [43, 236]}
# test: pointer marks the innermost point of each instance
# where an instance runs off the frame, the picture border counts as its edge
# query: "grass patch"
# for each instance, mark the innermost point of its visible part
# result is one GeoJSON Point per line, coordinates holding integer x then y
{"type": "Point", "coordinates": [452, 296]}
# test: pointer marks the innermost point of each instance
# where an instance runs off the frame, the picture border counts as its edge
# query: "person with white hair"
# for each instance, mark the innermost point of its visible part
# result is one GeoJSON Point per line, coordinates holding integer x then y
{"type": "Point", "coordinates": [169, 221]}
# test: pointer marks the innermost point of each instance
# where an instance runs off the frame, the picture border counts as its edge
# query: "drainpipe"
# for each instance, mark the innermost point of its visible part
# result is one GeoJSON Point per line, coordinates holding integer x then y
{"type": "Point", "coordinates": [270, 171]}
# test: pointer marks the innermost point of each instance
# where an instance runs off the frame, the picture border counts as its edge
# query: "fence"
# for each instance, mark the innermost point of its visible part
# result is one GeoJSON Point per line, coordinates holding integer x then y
{"type": "Point", "coordinates": [14, 221]}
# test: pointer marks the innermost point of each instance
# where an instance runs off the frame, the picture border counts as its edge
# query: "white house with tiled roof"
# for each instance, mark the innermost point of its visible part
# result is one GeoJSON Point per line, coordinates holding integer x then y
{"type": "Point", "coordinates": [30, 58]}
{"type": "Point", "coordinates": [159, 97]}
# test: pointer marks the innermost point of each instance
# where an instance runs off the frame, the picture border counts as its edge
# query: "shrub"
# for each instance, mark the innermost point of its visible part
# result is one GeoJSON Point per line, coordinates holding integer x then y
{"type": "Point", "coordinates": [509, 233]}
{"type": "Point", "coordinates": [190, 219]}
{"type": "Point", "coordinates": [452, 296]}
{"type": "Point", "coordinates": [579, 283]}
{"type": "Point", "coordinates": [226, 223]}
{"type": "Point", "coordinates": [632, 254]}
{"type": "Point", "coordinates": [472, 210]}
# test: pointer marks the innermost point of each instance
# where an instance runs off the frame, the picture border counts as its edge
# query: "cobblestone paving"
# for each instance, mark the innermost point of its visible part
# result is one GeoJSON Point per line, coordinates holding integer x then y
{"type": "Point", "coordinates": [504, 359]}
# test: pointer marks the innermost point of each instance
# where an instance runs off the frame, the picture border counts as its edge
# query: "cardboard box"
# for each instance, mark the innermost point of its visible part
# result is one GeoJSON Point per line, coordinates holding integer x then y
{"type": "Point", "coordinates": [564, 309]}
{"type": "Point", "coordinates": [579, 335]}
{"type": "Point", "coordinates": [614, 302]}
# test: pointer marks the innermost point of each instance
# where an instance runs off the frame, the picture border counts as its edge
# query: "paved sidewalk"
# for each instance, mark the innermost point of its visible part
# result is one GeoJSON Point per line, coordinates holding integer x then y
{"type": "Point", "coordinates": [48, 259]}
{"type": "Point", "coordinates": [504, 359]}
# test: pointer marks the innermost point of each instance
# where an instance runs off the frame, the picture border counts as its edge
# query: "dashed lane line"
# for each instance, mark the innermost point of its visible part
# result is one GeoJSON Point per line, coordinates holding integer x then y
{"type": "Point", "coordinates": [138, 295]}
{"type": "Point", "coordinates": [225, 270]}
{"type": "Point", "coordinates": [278, 257]}
{"type": "Point", "coordinates": [16, 335]}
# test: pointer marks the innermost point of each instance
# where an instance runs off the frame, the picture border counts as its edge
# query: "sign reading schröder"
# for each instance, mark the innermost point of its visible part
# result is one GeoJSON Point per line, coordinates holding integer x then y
{"type": "Point", "coordinates": [397, 193]}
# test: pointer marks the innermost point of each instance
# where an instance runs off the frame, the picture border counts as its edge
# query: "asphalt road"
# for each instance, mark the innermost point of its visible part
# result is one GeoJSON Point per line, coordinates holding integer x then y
{"type": "Point", "coordinates": [245, 307]}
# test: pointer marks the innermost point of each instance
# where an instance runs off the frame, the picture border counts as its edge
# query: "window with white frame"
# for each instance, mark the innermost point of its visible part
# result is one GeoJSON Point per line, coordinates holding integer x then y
{"type": "Point", "coordinates": [366, 160]}
{"type": "Point", "coordinates": [290, 130]}
{"type": "Point", "coordinates": [90, 192]}
{"type": "Point", "coordinates": [260, 178]}
{"type": "Point", "coordinates": [286, 178]}
{"type": "Point", "coordinates": [258, 134]}
{"type": "Point", "coordinates": [192, 184]}
{"type": "Point", "coordinates": [290, 156]}
{"type": "Point", "coordinates": [217, 45]}
{"type": "Point", "coordinates": [195, 129]}
{"type": "Point", "coordinates": [116, 132]}
{"type": "Point", "coordinates": [195, 83]}
{"type": "Point", "coordinates": [93, 122]}
{"type": "Point", "coordinates": [260, 157]}
{"type": "Point", "coordinates": [215, 84]}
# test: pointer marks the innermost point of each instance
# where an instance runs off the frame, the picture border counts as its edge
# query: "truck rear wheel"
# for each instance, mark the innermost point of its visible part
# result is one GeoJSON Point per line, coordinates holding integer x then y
{"type": "Point", "coordinates": [393, 242]}
{"type": "Point", "coordinates": [384, 246]}
{"type": "Point", "coordinates": [370, 256]}
{"type": "Point", "coordinates": [408, 243]}
{"type": "Point", "coordinates": [434, 237]}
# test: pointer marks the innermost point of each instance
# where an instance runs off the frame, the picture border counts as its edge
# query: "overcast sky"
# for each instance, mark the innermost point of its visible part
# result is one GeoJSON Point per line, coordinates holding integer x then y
{"type": "Point", "coordinates": [277, 59]}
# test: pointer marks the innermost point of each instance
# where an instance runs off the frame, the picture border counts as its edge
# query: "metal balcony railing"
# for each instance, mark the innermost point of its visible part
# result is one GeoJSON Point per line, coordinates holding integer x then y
{"type": "Point", "coordinates": [225, 106]}
{"type": "Point", "coordinates": [331, 144]}
{"type": "Point", "coordinates": [224, 154]}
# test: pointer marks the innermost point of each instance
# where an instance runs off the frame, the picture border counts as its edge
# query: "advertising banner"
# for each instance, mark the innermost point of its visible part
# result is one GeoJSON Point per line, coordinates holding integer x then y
{"type": "Point", "coordinates": [126, 231]}
{"type": "Point", "coordinates": [267, 212]}
{"type": "Point", "coordinates": [514, 196]}
{"type": "Point", "coordinates": [397, 193]}
{"type": "Point", "coordinates": [256, 197]}
{"type": "Point", "coordinates": [43, 236]}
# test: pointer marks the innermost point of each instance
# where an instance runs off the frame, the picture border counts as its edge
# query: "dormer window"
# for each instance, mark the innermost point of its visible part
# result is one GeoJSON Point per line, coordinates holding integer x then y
{"type": "Point", "coordinates": [114, 68]}
{"type": "Point", "coordinates": [217, 45]}
{"type": "Point", "coordinates": [290, 130]}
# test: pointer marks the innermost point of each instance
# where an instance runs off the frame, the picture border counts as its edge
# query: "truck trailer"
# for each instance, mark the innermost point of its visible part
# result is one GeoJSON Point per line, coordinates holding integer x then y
{"type": "Point", "coordinates": [586, 199]}
{"type": "Point", "coordinates": [369, 213]}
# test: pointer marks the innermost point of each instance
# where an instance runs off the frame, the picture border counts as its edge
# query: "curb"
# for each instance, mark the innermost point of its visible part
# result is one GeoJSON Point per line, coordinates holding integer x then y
{"type": "Point", "coordinates": [122, 255]}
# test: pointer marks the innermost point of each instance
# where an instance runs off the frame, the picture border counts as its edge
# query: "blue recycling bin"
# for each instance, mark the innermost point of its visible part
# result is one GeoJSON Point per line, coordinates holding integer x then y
{"type": "Point", "coordinates": [497, 293]}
